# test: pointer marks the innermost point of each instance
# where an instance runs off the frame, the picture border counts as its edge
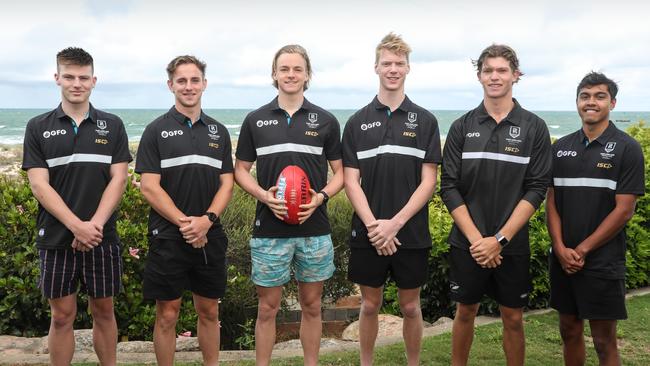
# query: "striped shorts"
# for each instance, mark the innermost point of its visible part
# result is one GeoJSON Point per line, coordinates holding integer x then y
{"type": "Point", "coordinates": [99, 271]}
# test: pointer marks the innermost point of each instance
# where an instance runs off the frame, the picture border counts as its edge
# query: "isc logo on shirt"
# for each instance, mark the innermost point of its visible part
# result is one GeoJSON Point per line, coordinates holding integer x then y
{"type": "Point", "coordinates": [166, 134]}
{"type": "Point", "coordinates": [47, 134]}
{"type": "Point", "coordinates": [311, 133]}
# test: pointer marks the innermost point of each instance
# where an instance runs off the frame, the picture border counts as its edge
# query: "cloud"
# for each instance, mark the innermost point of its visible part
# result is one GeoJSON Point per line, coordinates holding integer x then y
{"type": "Point", "coordinates": [133, 40]}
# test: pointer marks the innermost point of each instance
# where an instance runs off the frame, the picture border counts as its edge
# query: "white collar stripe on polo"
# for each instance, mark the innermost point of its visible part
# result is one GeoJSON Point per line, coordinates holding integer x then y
{"type": "Point", "coordinates": [496, 156]}
{"type": "Point", "coordinates": [79, 158]}
{"type": "Point", "coordinates": [289, 147]}
{"type": "Point", "coordinates": [391, 149]}
{"type": "Point", "coordinates": [585, 182]}
{"type": "Point", "coordinates": [190, 159]}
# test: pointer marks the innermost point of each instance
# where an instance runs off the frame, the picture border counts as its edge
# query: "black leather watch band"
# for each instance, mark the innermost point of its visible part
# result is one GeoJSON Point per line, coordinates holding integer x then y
{"type": "Point", "coordinates": [212, 216]}
{"type": "Point", "coordinates": [326, 197]}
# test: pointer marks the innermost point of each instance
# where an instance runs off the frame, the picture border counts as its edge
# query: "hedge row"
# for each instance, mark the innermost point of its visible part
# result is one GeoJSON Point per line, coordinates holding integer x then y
{"type": "Point", "coordinates": [24, 312]}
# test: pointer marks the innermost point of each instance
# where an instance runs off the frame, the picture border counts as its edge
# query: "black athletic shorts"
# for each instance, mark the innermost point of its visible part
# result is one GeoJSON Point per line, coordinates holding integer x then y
{"type": "Point", "coordinates": [99, 271]}
{"type": "Point", "coordinates": [407, 267]}
{"type": "Point", "coordinates": [174, 266]}
{"type": "Point", "coordinates": [508, 284]}
{"type": "Point", "coordinates": [585, 296]}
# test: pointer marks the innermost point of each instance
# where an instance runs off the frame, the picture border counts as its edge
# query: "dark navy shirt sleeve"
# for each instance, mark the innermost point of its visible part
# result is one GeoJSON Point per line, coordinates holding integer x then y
{"type": "Point", "coordinates": [433, 154]}
{"type": "Point", "coordinates": [226, 164]}
{"type": "Point", "coordinates": [245, 144]}
{"type": "Point", "coordinates": [451, 167]}
{"type": "Point", "coordinates": [32, 155]}
{"type": "Point", "coordinates": [121, 153]}
{"type": "Point", "coordinates": [632, 175]}
{"type": "Point", "coordinates": [148, 156]}
{"type": "Point", "coordinates": [349, 151]}
{"type": "Point", "coordinates": [333, 143]}
{"type": "Point", "coordinates": [538, 174]}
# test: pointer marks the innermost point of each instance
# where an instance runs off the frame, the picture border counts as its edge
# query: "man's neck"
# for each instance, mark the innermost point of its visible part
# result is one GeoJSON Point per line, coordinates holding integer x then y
{"type": "Point", "coordinates": [594, 130]}
{"type": "Point", "coordinates": [498, 108]}
{"type": "Point", "coordinates": [193, 113]}
{"type": "Point", "coordinates": [391, 98]}
{"type": "Point", "coordinates": [77, 112]}
{"type": "Point", "coordinates": [290, 103]}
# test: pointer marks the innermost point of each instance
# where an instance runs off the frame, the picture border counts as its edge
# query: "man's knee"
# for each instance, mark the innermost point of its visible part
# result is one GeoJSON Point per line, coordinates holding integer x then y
{"type": "Point", "coordinates": [513, 319]}
{"type": "Point", "coordinates": [410, 309]}
{"type": "Point", "coordinates": [267, 311]}
{"type": "Point", "coordinates": [311, 307]}
{"type": "Point", "coordinates": [63, 318]}
{"type": "Point", "coordinates": [466, 313]}
{"type": "Point", "coordinates": [370, 306]}
{"type": "Point", "coordinates": [102, 309]}
{"type": "Point", "coordinates": [167, 314]}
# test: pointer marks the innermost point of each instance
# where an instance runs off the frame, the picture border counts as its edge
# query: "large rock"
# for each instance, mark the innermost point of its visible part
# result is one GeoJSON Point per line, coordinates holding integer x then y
{"type": "Point", "coordinates": [14, 345]}
{"type": "Point", "coordinates": [187, 344]}
{"type": "Point", "coordinates": [135, 347]}
{"type": "Point", "coordinates": [295, 344]}
{"type": "Point", "coordinates": [83, 341]}
{"type": "Point", "coordinates": [389, 325]}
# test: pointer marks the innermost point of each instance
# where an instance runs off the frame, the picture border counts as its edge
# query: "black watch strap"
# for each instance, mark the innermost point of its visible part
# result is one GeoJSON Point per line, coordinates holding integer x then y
{"type": "Point", "coordinates": [501, 239]}
{"type": "Point", "coordinates": [212, 216]}
{"type": "Point", "coordinates": [326, 197]}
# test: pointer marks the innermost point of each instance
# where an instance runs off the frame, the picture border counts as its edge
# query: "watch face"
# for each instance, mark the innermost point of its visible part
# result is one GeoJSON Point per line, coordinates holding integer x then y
{"type": "Point", "coordinates": [212, 216]}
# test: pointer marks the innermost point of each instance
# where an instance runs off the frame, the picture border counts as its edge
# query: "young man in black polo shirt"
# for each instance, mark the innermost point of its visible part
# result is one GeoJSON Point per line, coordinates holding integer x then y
{"type": "Point", "coordinates": [496, 165]}
{"type": "Point", "coordinates": [185, 160]}
{"type": "Point", "coordinates": [391, 149]}
{"type": "Point", "coordinates": [76, 160]}
{"type": "Point", "coordinates": [290, 131]}
{"type": "Point", "coordinates": [598, 173]}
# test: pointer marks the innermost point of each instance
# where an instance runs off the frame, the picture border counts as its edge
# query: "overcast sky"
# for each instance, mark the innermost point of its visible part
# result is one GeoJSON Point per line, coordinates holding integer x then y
{"type": "Point", "coordinates": [133, 40]}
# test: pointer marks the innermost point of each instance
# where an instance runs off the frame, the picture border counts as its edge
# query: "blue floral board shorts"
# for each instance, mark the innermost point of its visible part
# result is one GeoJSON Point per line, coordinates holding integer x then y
{"type": "Point", "coordinates": [311, 258]}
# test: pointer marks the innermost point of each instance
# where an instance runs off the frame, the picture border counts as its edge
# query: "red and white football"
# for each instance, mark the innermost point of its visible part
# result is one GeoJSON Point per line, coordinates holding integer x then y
{"type": "Point", "coordinates": [293, 187]}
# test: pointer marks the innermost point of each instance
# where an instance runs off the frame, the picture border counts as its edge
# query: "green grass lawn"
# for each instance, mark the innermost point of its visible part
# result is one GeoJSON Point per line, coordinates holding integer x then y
{"type": "Point", "coordinates": [543, 344]}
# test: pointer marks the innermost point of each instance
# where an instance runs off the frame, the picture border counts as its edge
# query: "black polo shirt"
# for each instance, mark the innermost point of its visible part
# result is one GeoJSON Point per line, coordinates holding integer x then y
{"type": "Point", "coordinates": [586, 179]}
{"type": "Point", "coordinates": [189, 158]}
{"type": "Point", "coordinates": [389, 149]}
{"type": "Point", "coordinates": [309, 139]}
{"type": "Point", "coordinates": [490, 167]}
{"type": "Point", "coordinates": [78, 160]}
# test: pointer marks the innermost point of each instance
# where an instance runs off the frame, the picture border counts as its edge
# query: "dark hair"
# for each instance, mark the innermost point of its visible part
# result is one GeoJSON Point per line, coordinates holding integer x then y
{"type": "Point", "coordinates": [596, 78]}
{"type": "Point", "coordinates": [498, 50]}
{"type": "Point", "coordinates": [185, 59]}
{"type": "Point", "coordinates": [74, 56]}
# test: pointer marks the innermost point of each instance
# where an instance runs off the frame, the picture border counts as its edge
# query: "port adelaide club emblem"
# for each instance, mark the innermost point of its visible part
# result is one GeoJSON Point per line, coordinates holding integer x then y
{"type": "Point", "coordinates": [101, 124]}
{"type": "Point", "coordinates": [515, 131]}
{"type": "Point", "coordinates": [412, 117]}
{"type": "Point", "coordinates": [212, 129]}
{"type": "Point", "coordinates": [312, 118]}
{"type": "Point", "coordinates": [610, 146]}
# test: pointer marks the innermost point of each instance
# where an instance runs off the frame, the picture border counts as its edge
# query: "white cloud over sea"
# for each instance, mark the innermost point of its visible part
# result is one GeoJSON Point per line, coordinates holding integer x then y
{"type": "Point", "coordinates": [132, 41]}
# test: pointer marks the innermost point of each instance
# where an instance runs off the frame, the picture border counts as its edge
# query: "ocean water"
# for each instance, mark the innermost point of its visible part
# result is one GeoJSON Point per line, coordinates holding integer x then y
{"type": "Point", "coordinates": [560, 123]}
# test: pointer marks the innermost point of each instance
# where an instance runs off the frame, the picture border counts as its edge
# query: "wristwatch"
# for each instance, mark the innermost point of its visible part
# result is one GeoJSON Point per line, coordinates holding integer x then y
{"type": "Point", "coordinates": [501, 239]}
{"type": "Point", "coordinates": [326, 197]}
{"type": "Point", "coordinates": [212, 216]}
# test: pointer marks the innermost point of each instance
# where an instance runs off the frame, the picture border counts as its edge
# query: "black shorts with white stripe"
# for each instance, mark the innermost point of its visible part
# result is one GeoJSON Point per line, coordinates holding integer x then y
{"type": "Point", "coordinates": [99, 271]}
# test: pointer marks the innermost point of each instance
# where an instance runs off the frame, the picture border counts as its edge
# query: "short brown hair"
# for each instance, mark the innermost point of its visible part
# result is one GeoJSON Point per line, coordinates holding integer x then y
{"type": "Point", "coordinates": [74, 56]}
{"type": "Point", "coordinates": [393, 43]}
{"type": "Point", "coordinates": [498, 50]}
{"type": "Point", "coordinates": [182, 60]}
{"type": "Point", "coordinates": [292, 48]}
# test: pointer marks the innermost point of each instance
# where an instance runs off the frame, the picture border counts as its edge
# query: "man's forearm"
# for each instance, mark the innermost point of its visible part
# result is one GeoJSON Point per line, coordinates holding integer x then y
{"type": "Point", "coordinates": [465, 223]}
{"type": "Point", "coordinates": [358, 200]}
{"type": "Point", "coordinates": [112, 194]}
{"type": "Point", "coordinates": [420, 196]}
{"type": "Point", "coordinates": [223, 195]}
{"type": "Point", "coordinates": [518, 218]}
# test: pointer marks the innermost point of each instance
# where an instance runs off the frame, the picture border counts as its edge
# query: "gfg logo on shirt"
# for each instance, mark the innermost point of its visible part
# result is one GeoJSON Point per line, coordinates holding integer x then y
{"type": "Point", "coordinates": [266, 122]}
{"type": "Point", "coordinates": [369, 125]}
{"type": "Point", "coordinates": [473, 134]}
{"type": "Point", "coordinates": [47, 134]}
{"type": "Point", "coordinates": [166, 134]}
{"type": "Point", "coordinates": [563, 153]}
